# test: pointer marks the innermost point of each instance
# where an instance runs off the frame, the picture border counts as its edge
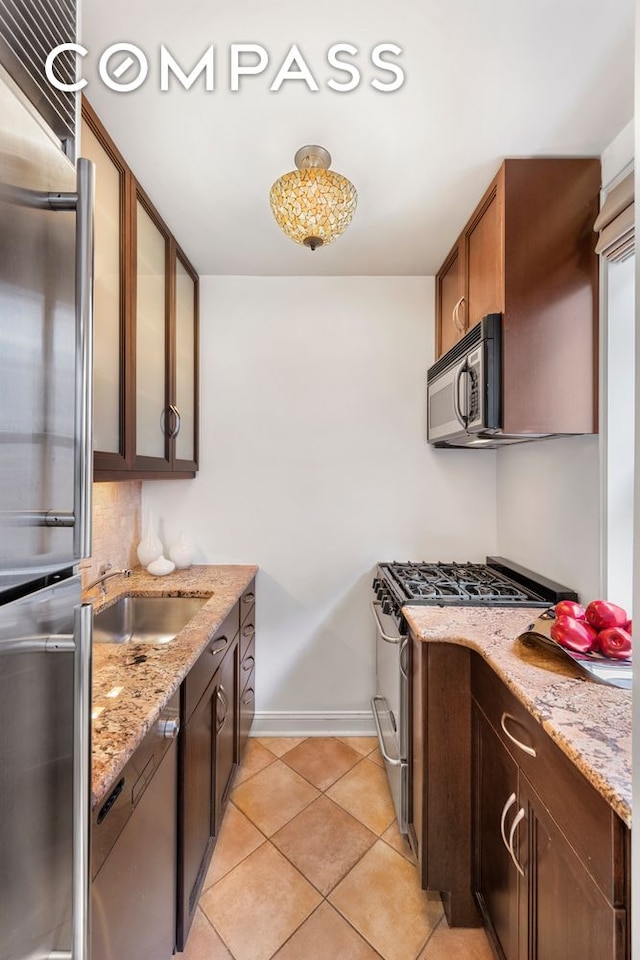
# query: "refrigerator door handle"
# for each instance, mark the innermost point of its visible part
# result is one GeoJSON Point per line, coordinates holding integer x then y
{"type": "Point", "coordinates": [83, 623]}
{"type": "Point", "coordinates": [83, 469]}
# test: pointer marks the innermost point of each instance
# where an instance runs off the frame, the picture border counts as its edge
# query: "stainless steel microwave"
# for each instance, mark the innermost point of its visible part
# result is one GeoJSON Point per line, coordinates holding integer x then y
{"type": "Point", "coordinates": [464, 390]}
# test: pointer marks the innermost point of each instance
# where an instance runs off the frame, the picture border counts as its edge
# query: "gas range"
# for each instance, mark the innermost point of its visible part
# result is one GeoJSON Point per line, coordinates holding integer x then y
{"type": "Point", "coordinates": [496, 583]}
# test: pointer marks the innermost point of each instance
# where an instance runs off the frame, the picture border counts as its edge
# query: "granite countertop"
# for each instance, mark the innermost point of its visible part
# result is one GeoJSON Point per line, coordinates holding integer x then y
{"type": "Point", "coordinates": [589, 721]}
{"type": "Point", "coordinates": [120, 722]}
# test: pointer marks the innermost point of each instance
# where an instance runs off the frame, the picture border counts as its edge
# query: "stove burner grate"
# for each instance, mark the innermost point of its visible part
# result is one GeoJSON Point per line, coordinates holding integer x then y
{"type": "Point", "coordinates": [457, 583]}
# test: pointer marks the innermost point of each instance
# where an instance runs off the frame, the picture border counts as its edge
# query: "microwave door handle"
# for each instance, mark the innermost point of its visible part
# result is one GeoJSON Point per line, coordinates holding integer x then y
{"type": "Point", "coordinates": [462, 418]}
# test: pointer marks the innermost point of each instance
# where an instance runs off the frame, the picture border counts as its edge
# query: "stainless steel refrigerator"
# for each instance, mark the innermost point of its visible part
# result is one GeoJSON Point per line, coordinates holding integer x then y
{"type": "Point", "coordinates": [45, 488]}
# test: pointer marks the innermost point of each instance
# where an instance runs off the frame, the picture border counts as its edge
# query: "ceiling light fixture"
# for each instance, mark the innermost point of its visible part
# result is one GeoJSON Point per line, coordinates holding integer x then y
{"type": "Point", "coordinates": [313, 205]}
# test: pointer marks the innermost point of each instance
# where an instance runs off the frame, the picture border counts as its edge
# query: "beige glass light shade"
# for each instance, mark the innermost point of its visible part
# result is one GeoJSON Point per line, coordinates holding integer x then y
{"type": "Point", "coordinates": [313, 204]}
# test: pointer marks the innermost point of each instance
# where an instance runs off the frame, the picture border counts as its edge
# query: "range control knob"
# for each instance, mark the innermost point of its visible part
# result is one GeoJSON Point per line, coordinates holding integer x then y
{"type": "Point", "coordinates": [169, 728]}
{"type": "Point", "coordinates": [386, 606]}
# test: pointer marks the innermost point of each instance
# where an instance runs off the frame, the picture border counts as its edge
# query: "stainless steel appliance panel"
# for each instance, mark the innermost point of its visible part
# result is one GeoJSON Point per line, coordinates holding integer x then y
{"type": "Point", "coordinates": [390, 707]}
{"type": "Point", "coordinates": [133, 896]}
{"type": "Point", "coordinates": [36, 771]}
{"type": "Point", "coordinates": [446, 401]}
{"type": "Point", "coordinates": [38, 336]}
{"type": "Point", "coordinates": [464, 389]}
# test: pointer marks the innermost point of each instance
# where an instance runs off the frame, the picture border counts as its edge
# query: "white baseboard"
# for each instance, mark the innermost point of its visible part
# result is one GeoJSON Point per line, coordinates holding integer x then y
{"type": "Point", "coordinates": [313, 723]}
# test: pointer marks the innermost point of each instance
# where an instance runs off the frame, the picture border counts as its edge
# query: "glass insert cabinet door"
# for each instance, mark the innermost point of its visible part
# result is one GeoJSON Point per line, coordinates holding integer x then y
{"type": "Point", "coordinates": [151, 346]}
{"type": "Point", "coordinates": [185, 360]}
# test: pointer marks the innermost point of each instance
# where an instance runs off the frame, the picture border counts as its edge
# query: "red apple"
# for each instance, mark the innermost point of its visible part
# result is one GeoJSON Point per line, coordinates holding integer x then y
{"type": "Point", "coordinates": [616, 643]}
{"type": "Point", "coordinates": [573, 634]}
{"type": "Point", "coordinates": [569, 608]}
{"type": "Point", "coordinates": [601, 614]}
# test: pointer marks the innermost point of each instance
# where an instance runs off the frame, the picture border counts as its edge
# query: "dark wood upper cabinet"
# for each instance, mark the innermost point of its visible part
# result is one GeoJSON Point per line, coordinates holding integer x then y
{"type": "Point", "coordinates": [450, 301]}
{"type": "Point", "coordinates": [145, 328]}
{"type": "Point", "coordinates": [527, 252]}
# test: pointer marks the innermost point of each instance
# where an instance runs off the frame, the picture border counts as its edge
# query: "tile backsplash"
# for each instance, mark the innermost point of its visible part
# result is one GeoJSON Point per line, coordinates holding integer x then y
{"type": "Point", "coordinates": [116, 529]}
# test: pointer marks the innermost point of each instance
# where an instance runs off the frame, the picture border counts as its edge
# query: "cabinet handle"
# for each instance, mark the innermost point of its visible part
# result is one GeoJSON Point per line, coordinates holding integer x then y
{"type": "Point", "coordinates": [249, 630]}
{"type": "Point", "coordinates": [216, 650]}
{"type": "Point", "coordinates": [163, 421]}
{"type": "Point", "coordinates": [518, 743]}
{"type": "Point", "coordinates": [220, 694]}
{"type": "Point", "coordinates": [514, 826]}
{"type": "Point", "coordinates": [458, 324]}
{"type": "Point", "coordinates": [248, 598]}
{"type": "Point", "coordinates": [249, 696]}
{"type": "Point", "coordinates": [505, 810]}
{"type": "Point", "coordinates": [176, 430]}
{"type": "Point", "coordinates": [248, 663]}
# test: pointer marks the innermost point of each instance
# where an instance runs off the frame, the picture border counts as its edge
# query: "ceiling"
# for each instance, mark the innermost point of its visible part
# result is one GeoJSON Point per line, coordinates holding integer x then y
{"type": "Point", "coordinates": [482, 81]}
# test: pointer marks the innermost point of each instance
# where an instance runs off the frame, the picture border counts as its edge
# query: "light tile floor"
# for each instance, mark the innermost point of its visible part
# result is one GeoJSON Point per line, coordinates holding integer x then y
{"type": "Point", "coordinates": [310, 865]}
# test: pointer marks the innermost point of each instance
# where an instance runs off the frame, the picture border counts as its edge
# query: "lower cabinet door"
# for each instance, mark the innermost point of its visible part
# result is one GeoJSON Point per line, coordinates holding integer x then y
{"type": "Point", "coordinates": [225, 730]}
{"type": "Point", "coordinates": [563, 913]}
{"type": "Point", "coordinates": [496, 806]}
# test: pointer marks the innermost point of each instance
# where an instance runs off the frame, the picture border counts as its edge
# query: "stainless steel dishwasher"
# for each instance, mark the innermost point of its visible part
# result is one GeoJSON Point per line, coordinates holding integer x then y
{"type": "Point", "coordinates": [133, 857]}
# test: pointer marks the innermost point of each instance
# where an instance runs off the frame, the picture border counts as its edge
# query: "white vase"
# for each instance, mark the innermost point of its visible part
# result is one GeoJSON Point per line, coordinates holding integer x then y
{"type": "Point", "coordinates": [182, 552]}
{"type": "Point", "coordinates": [150, 547]}
{"type": "Point", "coordinates": [161, 567]}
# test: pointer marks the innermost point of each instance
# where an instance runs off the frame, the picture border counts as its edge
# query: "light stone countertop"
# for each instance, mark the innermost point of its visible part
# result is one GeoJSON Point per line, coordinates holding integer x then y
{"type": "Point", "coordinates": [121, 722]}
{"type": "Point", "coordinates": [589, 721]}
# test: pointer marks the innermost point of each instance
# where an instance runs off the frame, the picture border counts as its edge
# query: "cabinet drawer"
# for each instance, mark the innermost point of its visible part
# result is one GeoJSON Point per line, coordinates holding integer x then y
{"type": "Point", "coordinates": [248, 662]}
{"type": "Point", "coordinates": [248, 602]}
{"type": "Point", "coordinates": [247, 637]}
{"type": "Point", "coordinates": [588, 822]}
{"type": "Point", "coordinates": [200, 675]}
{"type": "Point", "coordinates": [247, 711]}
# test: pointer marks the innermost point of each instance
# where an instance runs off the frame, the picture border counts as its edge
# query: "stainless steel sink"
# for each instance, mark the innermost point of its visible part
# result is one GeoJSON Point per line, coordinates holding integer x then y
{"type": "Point", "coordinates": [144, 619]}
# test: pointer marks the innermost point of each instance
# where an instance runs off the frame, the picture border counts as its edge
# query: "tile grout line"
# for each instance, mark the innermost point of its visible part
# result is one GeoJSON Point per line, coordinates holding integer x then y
{"type": "Point", "coordinates": [323, 790]}
{"type": "Point", "coordinates": [429, 936]}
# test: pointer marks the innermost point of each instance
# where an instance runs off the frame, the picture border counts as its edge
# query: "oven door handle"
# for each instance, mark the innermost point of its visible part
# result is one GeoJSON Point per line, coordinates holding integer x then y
{"type": "Point", "coordinates": [385, 756]}
{"type": "Point", "coordinates": [404, 651]}
{"type": "Point", "coordinates": [385, 636]}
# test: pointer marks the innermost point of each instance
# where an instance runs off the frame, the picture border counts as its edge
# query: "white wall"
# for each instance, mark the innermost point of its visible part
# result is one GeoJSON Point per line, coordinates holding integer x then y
{"type": "Point", "coordinates": [548, 496]}
{"type": "Point", "coordinates": [314, 465]}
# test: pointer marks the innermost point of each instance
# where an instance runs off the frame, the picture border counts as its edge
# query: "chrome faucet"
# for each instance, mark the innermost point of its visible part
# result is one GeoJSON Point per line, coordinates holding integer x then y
{"type": "Point", "coordinates": [105, 573]}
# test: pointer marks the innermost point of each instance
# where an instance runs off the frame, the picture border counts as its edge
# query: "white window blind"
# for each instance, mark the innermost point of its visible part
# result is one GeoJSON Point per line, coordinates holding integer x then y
{"type": "Point", "coordinates": [616, 223]}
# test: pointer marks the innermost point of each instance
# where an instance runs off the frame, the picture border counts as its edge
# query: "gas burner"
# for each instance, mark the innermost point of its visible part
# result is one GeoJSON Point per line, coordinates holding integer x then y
{"type": "Point", "coordinates": [496, 583]}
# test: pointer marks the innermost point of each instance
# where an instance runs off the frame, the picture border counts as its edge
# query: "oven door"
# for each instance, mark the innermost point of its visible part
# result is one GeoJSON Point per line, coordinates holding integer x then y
{"type": "Point", "coordinates": [390, 707]}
